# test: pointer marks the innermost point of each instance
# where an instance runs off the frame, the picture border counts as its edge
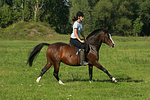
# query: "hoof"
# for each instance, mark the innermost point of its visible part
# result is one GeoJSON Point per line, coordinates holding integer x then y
{"type": "Point", "coordinates": [114, 80]}
{"type": "Point", "coordinates": [38, 79]}
{"type": "Point", "coordinates": [60, 82]}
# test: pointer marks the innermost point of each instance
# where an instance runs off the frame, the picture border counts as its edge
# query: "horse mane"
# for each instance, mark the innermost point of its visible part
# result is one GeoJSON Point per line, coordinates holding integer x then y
{"type": "Point", "coordinates": [93, 33]}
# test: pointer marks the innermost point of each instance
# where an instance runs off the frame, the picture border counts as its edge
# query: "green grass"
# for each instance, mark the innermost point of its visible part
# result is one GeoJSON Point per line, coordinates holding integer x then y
{"type": "Point", "coordinates": [128, 61]}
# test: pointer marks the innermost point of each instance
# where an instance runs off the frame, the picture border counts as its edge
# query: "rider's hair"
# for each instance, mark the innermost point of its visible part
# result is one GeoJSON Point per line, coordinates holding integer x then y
{"type": "Point", "coordinates": [77, 15]}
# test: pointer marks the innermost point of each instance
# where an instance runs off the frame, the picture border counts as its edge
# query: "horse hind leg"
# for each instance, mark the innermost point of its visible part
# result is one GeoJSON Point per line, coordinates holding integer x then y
{"type": "Point", "coordinates": [56, 71]}
{"type": "Point", "coordinates": [47, 66]}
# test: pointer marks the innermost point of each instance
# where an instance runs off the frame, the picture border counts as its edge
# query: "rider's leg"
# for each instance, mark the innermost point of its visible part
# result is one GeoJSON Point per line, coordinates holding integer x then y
{"type": "Point", "coordinates": [80, 45]}
{"type": "Point", "coordinates": [82, 58]}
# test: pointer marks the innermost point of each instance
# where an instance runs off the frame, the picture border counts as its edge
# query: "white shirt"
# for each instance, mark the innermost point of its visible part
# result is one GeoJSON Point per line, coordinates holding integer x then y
{"type": "Point", "coordinates": [79, 28]}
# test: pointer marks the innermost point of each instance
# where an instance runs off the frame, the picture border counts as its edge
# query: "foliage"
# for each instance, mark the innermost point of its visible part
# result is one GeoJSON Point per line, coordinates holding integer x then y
{"type": "Point", "coordinates": [36, 6]}
{"type": "Point", "coordinates": [137, 26]}
{"type": "Point", "coordinates": [143, 11]}
{"type": "Point", "coordinates": [7, 16]}
{"type": "Point", "coordinates": [56, 12]}
{"type": "Point", "coordinates": [118, 15]}
{"type": "Point", "coordinates": [101, 14]}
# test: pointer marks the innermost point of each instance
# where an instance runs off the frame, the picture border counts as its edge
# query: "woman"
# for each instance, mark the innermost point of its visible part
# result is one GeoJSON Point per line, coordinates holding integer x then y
{"type": "Point", "coordinates": [75, 39]}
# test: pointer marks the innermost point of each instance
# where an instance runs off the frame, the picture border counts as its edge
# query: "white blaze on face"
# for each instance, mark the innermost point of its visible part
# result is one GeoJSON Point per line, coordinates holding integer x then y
{"type": "Point", "coordinates": [111, 39]}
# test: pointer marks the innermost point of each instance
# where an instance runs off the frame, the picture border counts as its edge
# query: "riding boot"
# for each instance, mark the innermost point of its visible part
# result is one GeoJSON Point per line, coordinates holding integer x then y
{"type": "Point", "coordinates": [82, 58]}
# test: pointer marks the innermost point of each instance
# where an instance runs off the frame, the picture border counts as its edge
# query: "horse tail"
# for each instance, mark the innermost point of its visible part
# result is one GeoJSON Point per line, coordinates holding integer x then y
{"type": "Point", "coordinates": [35, 51]}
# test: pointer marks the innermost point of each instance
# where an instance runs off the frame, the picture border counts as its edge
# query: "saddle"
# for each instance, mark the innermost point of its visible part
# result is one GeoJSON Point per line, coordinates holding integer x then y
{"type": "Point", "coordinates": [77, 50]}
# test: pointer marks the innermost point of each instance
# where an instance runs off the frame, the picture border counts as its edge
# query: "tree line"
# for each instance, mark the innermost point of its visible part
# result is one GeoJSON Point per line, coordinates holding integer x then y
{"type": "Point", "coordinates": [122, 17]}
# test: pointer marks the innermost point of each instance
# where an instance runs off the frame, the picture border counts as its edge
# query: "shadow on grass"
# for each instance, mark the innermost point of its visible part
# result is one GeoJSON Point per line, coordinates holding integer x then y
{"type": "Point", "coordinates": [73, 80]}
{"type": "Point", "coordinates": [119, 79]}
{"type": "Point", "coordinates": [128, 79]}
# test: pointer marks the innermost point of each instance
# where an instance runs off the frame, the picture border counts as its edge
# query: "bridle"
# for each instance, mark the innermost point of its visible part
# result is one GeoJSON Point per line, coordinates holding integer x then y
{"type": "Point", "coordinates": [106, 38]}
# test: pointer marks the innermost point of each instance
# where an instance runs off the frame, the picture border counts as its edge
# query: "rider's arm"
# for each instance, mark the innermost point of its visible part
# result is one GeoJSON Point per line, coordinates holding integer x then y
{"type": "Point", "coordinates": [76, 35]}
{"type": "Point", "coordinates": [82, 35]}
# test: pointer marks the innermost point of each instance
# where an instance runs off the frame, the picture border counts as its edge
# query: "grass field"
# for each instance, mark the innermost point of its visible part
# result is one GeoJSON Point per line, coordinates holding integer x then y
{"type": "Point", "coordinates": [129, 62]}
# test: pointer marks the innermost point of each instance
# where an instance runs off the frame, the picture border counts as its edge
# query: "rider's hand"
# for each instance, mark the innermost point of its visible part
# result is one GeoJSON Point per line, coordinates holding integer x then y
{"type": "Point", "coordinates": [82, 41]}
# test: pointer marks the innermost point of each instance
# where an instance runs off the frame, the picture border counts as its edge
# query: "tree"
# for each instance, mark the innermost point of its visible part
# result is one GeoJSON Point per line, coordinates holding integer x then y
{"type": "Point", "coordinates": [122, 13]}
{"type": "Point", "coordinates": [6, 16]}
{"type": "Point", "coordinates": [56, 12]}
{"type": "Point", "coordinates": [36, 6]}
{"type": "Point", "coordinates": [62, 15]}
{"type": "Point", "coordinates": [9, 2]}
{"type": "Point", "coordinates": [23, 9]}
{"type": "Point", "coordinates": [138, 24]}
{"type": "Point", "coordinates": [2, 2]}
{"type": "Point", "coordinates": [92, 3]}
{"type": "Point", "coordinates": [144, 12]}
{"type": "Point", "coordinates": [102, 14]}
{"type": "Point", "coordinates": [121, 16]}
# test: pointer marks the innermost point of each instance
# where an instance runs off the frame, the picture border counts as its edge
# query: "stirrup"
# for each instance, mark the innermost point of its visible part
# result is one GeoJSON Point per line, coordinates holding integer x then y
{"type": "Point", "coordinates": [85, 63]}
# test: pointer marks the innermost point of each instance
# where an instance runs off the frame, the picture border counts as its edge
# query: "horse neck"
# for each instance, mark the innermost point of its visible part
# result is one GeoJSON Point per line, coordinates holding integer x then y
{"type": "Point", "coordinates": [96, 41]}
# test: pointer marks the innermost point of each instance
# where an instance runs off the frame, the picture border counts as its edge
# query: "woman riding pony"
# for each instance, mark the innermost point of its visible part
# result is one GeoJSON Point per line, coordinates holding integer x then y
{"type": "Point", "coordinates": [75, 39]}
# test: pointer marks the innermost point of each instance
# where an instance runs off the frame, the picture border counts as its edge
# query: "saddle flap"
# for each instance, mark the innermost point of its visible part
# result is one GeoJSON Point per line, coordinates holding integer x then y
{"type": "Point", "coordinates": [77, 50]}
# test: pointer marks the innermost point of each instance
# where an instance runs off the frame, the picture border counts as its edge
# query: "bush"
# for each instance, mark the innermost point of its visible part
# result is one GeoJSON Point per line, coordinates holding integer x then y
{"type": "Point", "coordinates": [7, 16]}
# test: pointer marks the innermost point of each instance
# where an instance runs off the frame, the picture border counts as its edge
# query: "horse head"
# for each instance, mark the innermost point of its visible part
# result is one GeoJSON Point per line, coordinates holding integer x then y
{"type": "Point", "coordinates": [106, 38]}
{"type": "Point", "coordinates": [100, 36]}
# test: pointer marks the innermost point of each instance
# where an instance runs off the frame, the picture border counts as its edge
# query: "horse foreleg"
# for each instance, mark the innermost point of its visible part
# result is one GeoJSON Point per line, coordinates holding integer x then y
{"type": "Point", "coordinates": [47, 66]}
{"type": "Point", "coordinates": [90, 72]}
{"type": "Point", "coordinates": [105, 71]}
{"type": "Point", "coordinates": [56, 70]}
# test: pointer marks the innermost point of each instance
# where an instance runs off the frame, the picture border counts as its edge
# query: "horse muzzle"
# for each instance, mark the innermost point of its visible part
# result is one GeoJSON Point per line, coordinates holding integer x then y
{"type": "Point", "coordinates": [112, 45]}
